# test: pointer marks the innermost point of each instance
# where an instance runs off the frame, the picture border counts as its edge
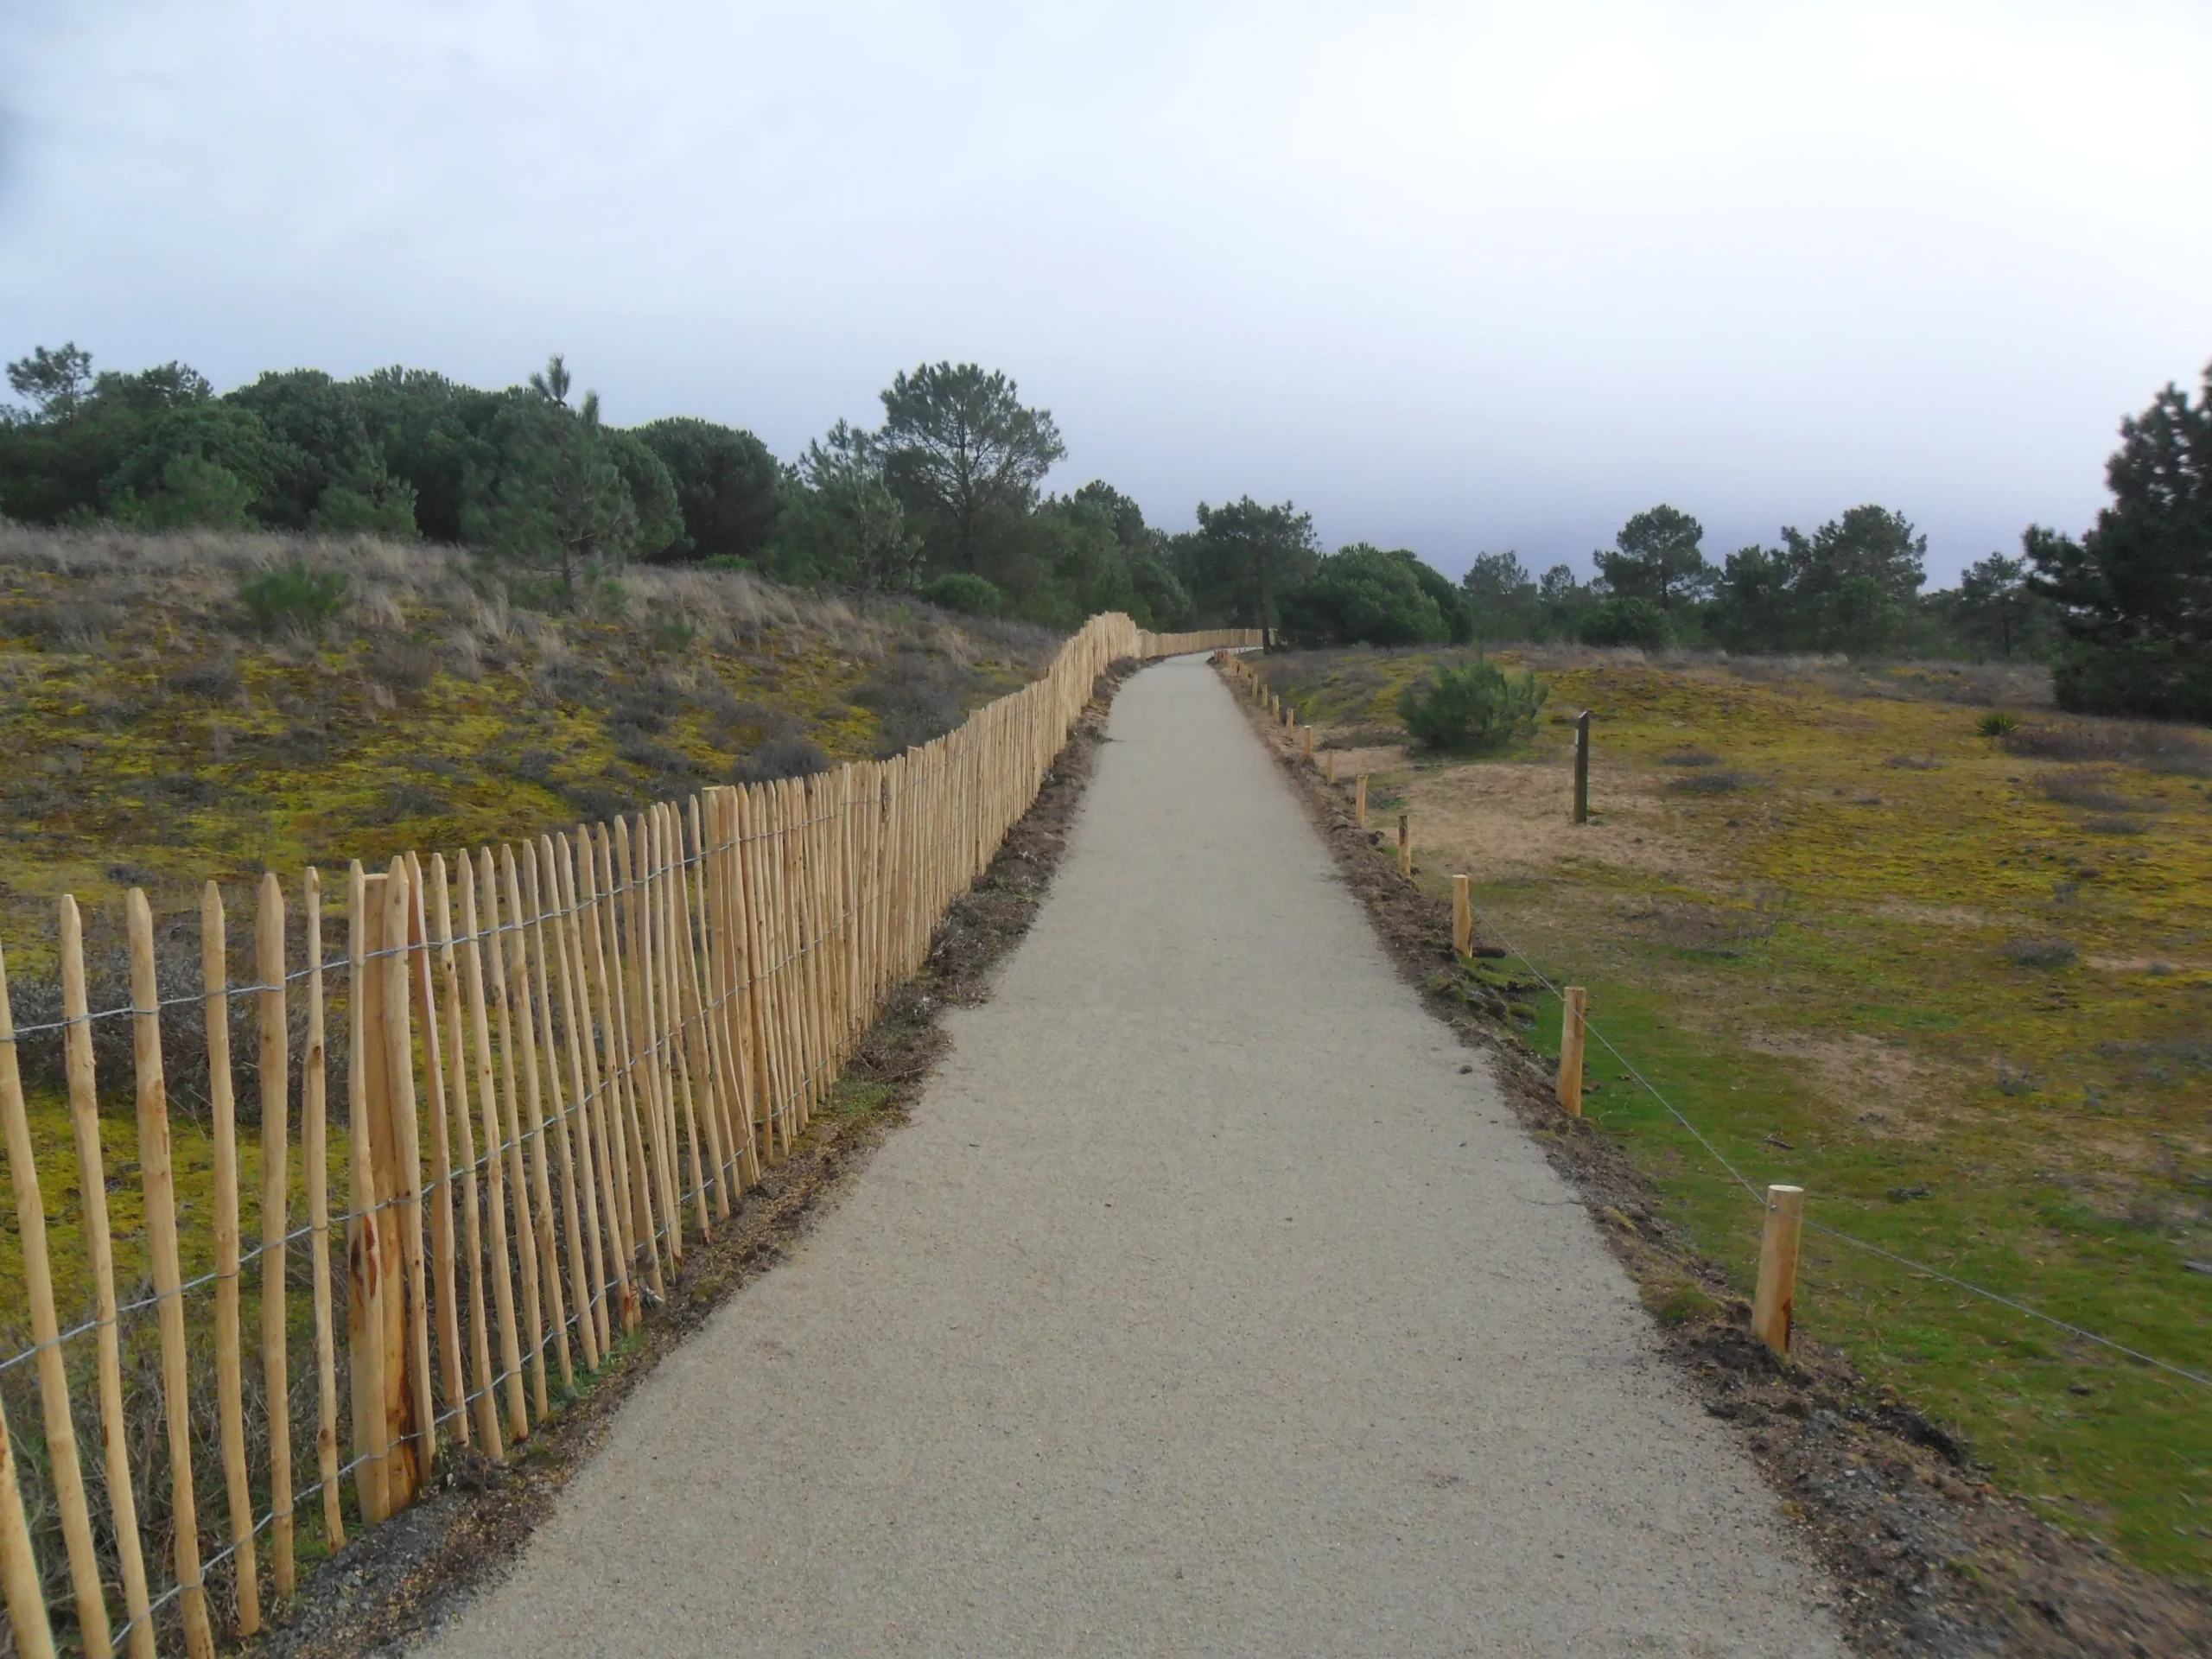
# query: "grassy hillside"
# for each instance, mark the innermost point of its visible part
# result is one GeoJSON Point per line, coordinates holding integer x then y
{"type": "Point", "coordinates": [160, 737]}
{"type": "Point", "coordinates": [1958, 985]}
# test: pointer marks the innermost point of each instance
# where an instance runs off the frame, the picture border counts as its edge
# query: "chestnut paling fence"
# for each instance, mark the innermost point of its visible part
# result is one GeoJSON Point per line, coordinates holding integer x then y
{"type": "Point", "coordinates": [562, 1060]}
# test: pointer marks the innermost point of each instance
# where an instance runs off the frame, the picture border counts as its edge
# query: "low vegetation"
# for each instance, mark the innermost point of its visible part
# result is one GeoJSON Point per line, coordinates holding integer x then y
{"type": "Point", "coordinates": [189, 706]}
{"type": "Point", "coordinates": [1870, 942]}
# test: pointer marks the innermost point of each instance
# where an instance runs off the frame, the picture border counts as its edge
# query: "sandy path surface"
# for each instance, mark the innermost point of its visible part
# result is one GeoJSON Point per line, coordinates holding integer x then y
{"type": "Point", "coordinates": [1205, 1307]}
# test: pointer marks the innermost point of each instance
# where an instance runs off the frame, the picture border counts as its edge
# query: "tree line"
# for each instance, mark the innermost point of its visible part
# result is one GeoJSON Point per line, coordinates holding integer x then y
{"type": "Point", "coordinates": [945, 500]}
{"type": "Point", "coordinates": [2123, 613]}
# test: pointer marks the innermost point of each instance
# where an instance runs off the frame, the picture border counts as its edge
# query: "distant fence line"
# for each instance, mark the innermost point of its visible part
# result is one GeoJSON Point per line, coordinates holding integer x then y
{"type": "Point", "coordinates": [636, 1021]}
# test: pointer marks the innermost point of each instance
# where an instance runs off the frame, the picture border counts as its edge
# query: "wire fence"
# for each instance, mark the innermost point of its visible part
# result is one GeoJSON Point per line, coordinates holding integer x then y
{"type": "Point", "coordinates": [534, 1075]}
{"type": "Point", "coordinates": [1760, 1198]}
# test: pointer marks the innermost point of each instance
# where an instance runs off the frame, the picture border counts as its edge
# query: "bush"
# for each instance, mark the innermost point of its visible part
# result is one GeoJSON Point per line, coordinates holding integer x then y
{"type": "Point", "coordinates": [2039, 953]}
{"type": "Point", "coordinates": [1996, 723]}
{"type": "Point", "coordinates": [1714, 783]}
{"type": "Point", "coordinates": [780, 757]}
{"type": "Point", "coordinates": [1364, 595]}
{"type": "Point", "coordinates": [2172, 749]}
{"type": "Point", "coordinates": [1621, 622]}
{"type": "Point", "coordinates": [292, 597]}
{"type": "Point", "coordinates": [1475, 707]}
{"type": "Point", "coordinates": [916, 696]}
{"type": "Point", "coordinates": [968, 595]}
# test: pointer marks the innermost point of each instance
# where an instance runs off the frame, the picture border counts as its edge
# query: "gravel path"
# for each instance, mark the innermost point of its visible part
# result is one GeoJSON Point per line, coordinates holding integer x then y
{"type": "Point", "coordinates": [1207, 1306]}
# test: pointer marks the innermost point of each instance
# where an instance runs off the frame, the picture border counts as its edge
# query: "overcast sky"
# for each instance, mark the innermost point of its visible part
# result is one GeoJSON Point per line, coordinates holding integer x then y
{"type": "Point", "coordinates": [1452, 277]}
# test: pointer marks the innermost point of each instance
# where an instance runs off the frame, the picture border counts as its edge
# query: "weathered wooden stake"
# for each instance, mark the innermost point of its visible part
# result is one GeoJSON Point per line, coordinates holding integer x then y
{"type": "Point", "coordinates": [67, 1475]}
{"type": "Point", "coordinates": [1406, 845]}
{"type": "Point", "coordinates": [18, 1562]}
{"type": "Point", "coordinates": [99, 1248]}
{"type": "Point", "coordinates": [158, 1185]}
{"type": "Point", "coordinates": [1573, 1012]}
{"type": "Point", "coordinates": [1462, 917]}
{"type": "Point", "coordinates": [276, 1217]}
{"type": "Point", "coordinates": [315, 1158]}
{"type": "Point", "coordinates": [1775, 1307]}
{"type": "Point", "coordinates": [1329, 764]}
{"type": "Point", "coordinates": [410, 1405]}
{"type": "Point", "coordinates": [1359, 801]}
{"type": "Point", "coordinates": [1309, 742]}
{"type": "Point", "coordinates": [1582, 767]}
{"type": "Point", "coordinates": [222, 1110]}
{"type": "Point", "coordinates": [365, 1286]}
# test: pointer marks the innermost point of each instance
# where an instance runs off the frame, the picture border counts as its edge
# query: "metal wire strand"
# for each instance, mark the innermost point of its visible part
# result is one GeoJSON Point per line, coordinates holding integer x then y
{"type": "Point", "coordinates": [1856, 1243]}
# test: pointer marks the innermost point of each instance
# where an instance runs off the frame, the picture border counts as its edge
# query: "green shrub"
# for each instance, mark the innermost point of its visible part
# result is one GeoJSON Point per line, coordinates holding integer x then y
{"type": "Point", "coordinates": [1363, 596]}
{"type": "Point", "coordinates": [968, 595]}
{"type": "Point", "coordinates": [1622, 621]}
{"type": "Point", "coordinates": [1997, 722]}
{"type": "Point", "coordinates": [292, 596]}
{"type": "Point", "coordinates": [1474, 707]}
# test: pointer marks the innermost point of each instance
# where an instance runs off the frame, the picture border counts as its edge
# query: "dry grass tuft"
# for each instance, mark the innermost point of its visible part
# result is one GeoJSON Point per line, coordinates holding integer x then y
{"type": "Point", "coordinates": [1720, 781]}
{"type": "Point", "coordinates": [2029, 952]}
{"type": "Point", "coordinates": [2175, 750]}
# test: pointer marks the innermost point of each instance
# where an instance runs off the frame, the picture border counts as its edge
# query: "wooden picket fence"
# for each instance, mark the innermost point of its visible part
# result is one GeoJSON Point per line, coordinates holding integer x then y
{"type": "Point", "coordinates": [564, 1057]}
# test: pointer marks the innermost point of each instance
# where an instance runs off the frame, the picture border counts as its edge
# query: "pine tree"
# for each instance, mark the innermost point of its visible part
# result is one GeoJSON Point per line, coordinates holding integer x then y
{"type": "Point", "coordinates": [2135, 593]}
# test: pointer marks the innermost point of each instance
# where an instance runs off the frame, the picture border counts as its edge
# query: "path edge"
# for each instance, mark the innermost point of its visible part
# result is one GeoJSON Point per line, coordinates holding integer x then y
{"type": "Point", "coordinates": [1928, 1557]}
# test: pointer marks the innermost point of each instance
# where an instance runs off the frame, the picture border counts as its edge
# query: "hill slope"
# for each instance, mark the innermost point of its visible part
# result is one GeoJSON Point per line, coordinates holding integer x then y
{"type": "Point", "coordinates": [163, 737]}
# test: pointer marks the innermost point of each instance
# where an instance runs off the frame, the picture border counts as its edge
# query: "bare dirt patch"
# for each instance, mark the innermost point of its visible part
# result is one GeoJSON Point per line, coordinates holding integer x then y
{"type": "Point", "coordinates": [1507, 816]}
{"type": "Point", "coordinates": [1954, 916]}
{"type": "Point", "coordinates": [1886, 1089]}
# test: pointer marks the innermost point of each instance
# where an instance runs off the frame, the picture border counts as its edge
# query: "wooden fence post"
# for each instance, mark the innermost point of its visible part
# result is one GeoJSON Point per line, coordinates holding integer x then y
{"type": "Point", "coordinates": [68, 1474]}
{"type": "Point", "coordinates": [495, 1261]}
{"type": "Point", "coordinates": [479, 1341]}
{"type": "Point", "coordinates": [1462, 917]}
{"type": "Point", "coordinates": [1582, 767]}
{"type": "Point", "coordinates": [366, 1287]}
{"type": "Point", "coordinates": [524, 1232]}
{"type": "Point", "coordinates": [315, 1158]}
{"type": "Point", "coordinates": [1359, 801]}
{"type": "Point", "coordinates": [214, 980]}
{"type": "Point", "coordinates": [1309, 742]}
{"type": "Point", "coordinates": [92, 1182]}
{"type": "Point", "coordinates": [158, 1186]}
{"type": "Point", "coordinates": [19, 1563]}
{"type": "Point", "coordinates": [276, 1060]}
{"type": "Point", "coordinates": [1573, 1029]}
{"type": "Point", "coordinates": [1406, 845]}
{"type": "Point", "coordinates": [413, 1406]}
{"type": "Point", "coordinates": [1774, 1309]}
{"type": "Point", "coordinates": [1329, 764]}
{"type": "Point", "coordinates": [444, 1298]}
